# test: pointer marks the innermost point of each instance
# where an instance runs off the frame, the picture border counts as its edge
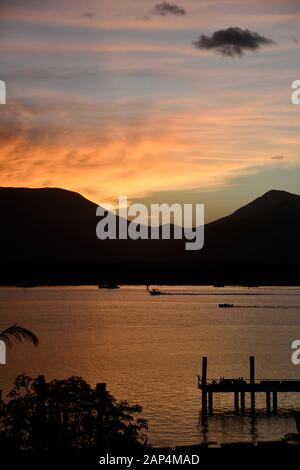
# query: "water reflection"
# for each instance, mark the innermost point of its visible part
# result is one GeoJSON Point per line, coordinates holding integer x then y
{"type": "Point", "coordinates": [204, 428]}
{"type": "Point", "coordinates": [253, 429]}
{"type": "Point", "coordinates": [230, 428]}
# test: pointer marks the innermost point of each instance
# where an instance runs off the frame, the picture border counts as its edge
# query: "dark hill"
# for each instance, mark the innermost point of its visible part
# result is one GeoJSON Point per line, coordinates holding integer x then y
{"type": "Point", "coordinates": [264, 232]}
{"type": "Point", "coordinates": [49, 236]}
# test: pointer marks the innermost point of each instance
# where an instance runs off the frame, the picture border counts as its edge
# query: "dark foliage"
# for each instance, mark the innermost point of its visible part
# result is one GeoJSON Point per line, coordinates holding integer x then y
{"type": "Point", "coordinates": [68, 414]}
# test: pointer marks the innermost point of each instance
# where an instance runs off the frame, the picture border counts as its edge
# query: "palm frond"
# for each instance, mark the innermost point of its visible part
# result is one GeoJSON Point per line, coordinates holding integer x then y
{"type": "Point", "coordinates": [17, 334]}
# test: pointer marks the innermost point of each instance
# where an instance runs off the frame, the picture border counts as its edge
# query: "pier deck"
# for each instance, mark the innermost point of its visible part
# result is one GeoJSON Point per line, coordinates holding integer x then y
{"type": "Point", "coordinates": [240, 386]}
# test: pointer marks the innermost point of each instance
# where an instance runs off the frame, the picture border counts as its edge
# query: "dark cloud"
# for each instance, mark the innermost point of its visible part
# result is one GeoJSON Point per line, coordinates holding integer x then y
{"type": "Point", "coordinates": [89, 15]}
{"type": "Point", "coordinates": [232, 42]}
{"type": "Point", "coordinates": [165, 8]}
{"type": "Point", "coordinates": [279, 157]}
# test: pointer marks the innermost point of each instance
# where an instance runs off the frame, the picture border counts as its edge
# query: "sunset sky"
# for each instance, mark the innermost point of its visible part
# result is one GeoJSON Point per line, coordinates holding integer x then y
{"type": "Point", "coordinates": [109, 97]}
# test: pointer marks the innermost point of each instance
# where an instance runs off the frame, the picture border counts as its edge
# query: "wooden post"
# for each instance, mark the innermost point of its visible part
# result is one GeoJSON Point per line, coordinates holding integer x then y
{"type": "Point", "coordinates": [275, 402]}
{"type": "Point", "coordinates": [101, 396]}
{"type": "Point", "coordinates": [210, 403]}
{"type": "Point", "coordinates": [252, 383]}
{"type": "Point", "coordinates": [204, 380]}
{"type": "Point", "coordinates": [65, 428]}
{"type": "Point", "coordinates": [52, 434]}
{"type": "Point", "coordinates": [236, 403]}
{"type": "Point", "coordinates": [243, 403]}
{"type": "Point", "coordinates": [58, 427]}
{"type": "Point", "coordinates": [41, 392]}
{"type": "Point", "coordinates": [17, 416]}
{"type": "Point", "coordinates": [39, 423]}
{"type": "Point", "coordinates": [204, 402]}
{"type": "Point", "coordinates": [268, 402]}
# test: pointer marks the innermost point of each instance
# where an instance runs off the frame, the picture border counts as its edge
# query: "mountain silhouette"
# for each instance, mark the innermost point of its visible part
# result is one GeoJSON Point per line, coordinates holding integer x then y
{"type": "Point", "coordinates": [264, 231]}
{"type": "Point", "coordinates": [48, 236]}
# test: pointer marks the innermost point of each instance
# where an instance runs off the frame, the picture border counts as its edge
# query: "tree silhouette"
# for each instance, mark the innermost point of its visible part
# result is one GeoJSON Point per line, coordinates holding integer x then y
{"type": "Point", "coordinates": [17, 334]}
{"type": "Point", "coordinates": [66, 416]}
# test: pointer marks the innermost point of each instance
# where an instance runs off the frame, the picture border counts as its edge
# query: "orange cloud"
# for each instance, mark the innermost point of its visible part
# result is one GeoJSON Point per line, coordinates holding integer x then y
{"type": "Point", "coordinates": [176, 150]}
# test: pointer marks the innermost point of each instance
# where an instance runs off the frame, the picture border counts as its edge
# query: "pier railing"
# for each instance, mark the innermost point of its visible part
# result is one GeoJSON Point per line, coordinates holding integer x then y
{"type": "Point", "coordinates": [219, 380]}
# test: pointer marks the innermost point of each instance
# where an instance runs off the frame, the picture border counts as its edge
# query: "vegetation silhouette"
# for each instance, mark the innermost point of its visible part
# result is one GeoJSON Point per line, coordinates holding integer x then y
{"type": "Point", "coordinates": [68, 414]}
{"type": "Point", "coordinates": [17, 334]}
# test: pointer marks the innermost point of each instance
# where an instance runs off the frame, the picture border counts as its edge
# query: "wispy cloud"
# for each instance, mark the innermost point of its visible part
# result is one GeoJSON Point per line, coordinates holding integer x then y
{"type": "Point", "coordinates": [233, 42]}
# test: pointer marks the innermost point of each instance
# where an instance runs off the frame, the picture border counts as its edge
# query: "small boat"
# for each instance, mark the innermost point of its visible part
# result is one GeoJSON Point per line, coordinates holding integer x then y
{"type": "Point", "coordinates": [155, 292]}
{"type": "Point", "coordinates": [108, 286]}
{"type": "Point", "coordinates": [226, 305]}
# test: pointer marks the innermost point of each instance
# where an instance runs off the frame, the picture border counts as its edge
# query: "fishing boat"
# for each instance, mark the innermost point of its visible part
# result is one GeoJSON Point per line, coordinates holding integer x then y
{"type": "Point", "coordinates": [155, 292]}
{"type": "Point", "coordinates": [226, 305]}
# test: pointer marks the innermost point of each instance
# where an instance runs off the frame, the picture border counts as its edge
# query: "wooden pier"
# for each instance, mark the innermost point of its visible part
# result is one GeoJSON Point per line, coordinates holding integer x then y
{"type": "Point", "coordinates": [240, 386]}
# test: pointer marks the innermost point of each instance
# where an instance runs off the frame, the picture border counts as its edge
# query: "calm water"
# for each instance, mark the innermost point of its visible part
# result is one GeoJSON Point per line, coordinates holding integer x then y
{"type": "Point", "coordinates": [148, 350]}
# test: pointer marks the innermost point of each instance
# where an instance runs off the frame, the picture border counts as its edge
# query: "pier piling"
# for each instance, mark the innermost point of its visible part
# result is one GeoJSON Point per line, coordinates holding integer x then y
{"type": "Point", "coordinates": [204, 382]}
{"type": "Point", "coordinates": [210, 404]}
{"type": "Point", "coordinates": [243, 403]}
{"type": "Point", "coordinates": [275, 402]}
{"type": "Point", "coordinates": [236, 402]}
{"type": "Point", "coordinates": [268, 402]}
{"type": "Point", "coordinates": [252, 383]}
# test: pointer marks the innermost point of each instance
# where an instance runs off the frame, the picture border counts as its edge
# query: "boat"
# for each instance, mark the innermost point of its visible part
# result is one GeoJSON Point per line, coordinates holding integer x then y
{"type": "Point", "coordinates": [155, 292]}
{"type": "Point", "coordinates": [108, 286]}
{"type": "Point", "coordinates": [226, 305]}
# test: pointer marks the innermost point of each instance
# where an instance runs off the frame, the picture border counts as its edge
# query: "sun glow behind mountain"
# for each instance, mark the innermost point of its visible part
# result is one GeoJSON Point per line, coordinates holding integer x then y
{"type": "Point", "coordinates": [108, 98]}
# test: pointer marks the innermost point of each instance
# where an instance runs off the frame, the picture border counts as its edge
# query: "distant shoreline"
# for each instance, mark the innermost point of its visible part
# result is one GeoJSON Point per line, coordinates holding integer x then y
{"type": "Point", "coordinates": [166, 285]}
